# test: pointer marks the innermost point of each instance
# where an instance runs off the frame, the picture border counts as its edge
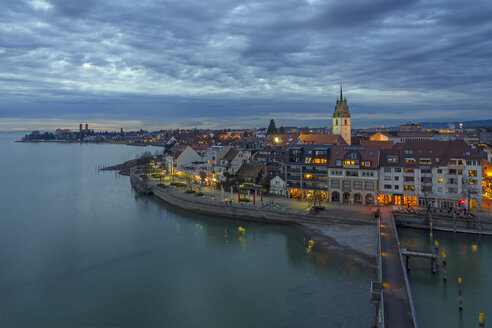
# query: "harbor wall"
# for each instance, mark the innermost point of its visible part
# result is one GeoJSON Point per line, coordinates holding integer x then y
{"type": "Point", "coordinates": [247, 211]}
{"type": "Point", "coordinates": [475, 225]}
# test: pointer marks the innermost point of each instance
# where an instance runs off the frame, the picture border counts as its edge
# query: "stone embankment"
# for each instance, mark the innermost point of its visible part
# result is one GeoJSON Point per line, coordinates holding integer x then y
{"type": "Point", "coordinates": [476, 225]}
{"type": "Point", "coordinates": [248, 211]}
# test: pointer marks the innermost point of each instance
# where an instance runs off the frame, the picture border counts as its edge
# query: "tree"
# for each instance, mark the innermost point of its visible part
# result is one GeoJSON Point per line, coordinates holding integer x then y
{"type": "Point", "coordinates": [230, 180]}
{"type": "Point", "coordinates": [266, 184]}
{"type": "Point", "coordinates": [281, 130]}
{"type": "Point", "coordinates": [271, 128]}
{"type": "Point", "coordinates": [189, 181]}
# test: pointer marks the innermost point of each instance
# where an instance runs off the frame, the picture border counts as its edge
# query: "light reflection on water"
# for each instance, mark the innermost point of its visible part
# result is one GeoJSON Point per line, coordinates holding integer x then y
{"type": "Point", "coordinates": [79, 248]}
{"type": "Point", "coordinates": [468, 256]}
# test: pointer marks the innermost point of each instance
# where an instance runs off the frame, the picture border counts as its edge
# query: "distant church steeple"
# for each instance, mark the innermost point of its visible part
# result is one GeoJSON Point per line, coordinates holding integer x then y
{"type": "Point", "coordinates": [341, 119]}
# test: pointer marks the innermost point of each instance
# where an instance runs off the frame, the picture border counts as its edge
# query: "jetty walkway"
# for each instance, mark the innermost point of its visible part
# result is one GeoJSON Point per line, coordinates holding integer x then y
{"type": "Point", "coordinates": [398, 305]}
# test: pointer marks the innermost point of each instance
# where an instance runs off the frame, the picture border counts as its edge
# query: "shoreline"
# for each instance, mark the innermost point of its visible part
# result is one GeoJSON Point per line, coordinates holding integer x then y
{"type": "Point", "coordinates": [349, 238]}
{"type": "Point", "coordinates": [359, 254]}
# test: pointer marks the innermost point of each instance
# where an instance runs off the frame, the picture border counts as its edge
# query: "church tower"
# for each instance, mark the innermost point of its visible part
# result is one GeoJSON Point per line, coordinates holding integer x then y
{"type": "Point", "coordinates": [341, 119]}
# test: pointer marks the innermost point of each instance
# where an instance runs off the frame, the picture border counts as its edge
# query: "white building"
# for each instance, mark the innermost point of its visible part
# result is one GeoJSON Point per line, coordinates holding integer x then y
{"type": "Point", "coordinates": [278, 186]}
{"type": "Point", "coordinates": [439, 174]}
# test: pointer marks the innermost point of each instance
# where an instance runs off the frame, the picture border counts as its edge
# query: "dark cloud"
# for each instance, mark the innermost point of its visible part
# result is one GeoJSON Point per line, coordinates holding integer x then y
{"type": "Point", "coordinates": [217, 61]}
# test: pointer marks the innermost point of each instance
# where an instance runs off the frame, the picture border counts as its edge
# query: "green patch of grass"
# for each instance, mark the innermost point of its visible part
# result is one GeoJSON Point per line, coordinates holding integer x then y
{"type": "Point", "coordinates": [178, 184]}
{"type": "Point", "coordinates": [244, 200]}
{"type": "Point", "coordinates": [163, 186]}
{"type": "Point", "coordinates": [190, 191]}
{"type": "Point", "coordinates": [319, 208]}
{"type": "Point", "coordinates": [199, 193]}
{"type": "Point", "coordinates": [143, 176]}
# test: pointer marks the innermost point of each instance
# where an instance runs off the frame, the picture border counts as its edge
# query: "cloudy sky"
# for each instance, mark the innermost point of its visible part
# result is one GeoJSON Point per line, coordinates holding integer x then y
{"type": "Point", "coordinates": [223, 63]}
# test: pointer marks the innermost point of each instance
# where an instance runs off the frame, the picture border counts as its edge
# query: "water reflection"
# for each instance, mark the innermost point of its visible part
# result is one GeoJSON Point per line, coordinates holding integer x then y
{"type": "Point", "coordinates": [467, 256]}
{"type": "Point", "coordinates": [88, 251]}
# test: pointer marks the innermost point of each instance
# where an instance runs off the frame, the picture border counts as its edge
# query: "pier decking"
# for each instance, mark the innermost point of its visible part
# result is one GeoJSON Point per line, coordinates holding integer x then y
{"type": "Point", "coordinates": [398, 302]}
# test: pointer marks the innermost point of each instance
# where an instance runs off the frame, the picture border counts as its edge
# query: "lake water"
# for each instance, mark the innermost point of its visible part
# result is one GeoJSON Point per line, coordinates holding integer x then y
{"type": "Point", "coordinates": [436, 301]}
{"type": "Point", "coordinates": [78, 248]}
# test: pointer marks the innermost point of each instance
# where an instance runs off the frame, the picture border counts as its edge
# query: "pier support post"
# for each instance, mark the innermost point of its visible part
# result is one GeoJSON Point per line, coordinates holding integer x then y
{"type": "Point", "coordinates": [407, 260]}
{"type": "Point", "coordinates": [431, 236]}
{"type": "Point", "coordinates": [460, 293]}
{"type": "Point", "coordinates": [254, 199]}
{"type": "Point", "coordinates": [454, 221]}
{"type": "Point", "coordinates": [481, 320]}
{"type": "Point", "coordinates": [436, 252]}
{"type": "Point", "coordinates": [444, 268]}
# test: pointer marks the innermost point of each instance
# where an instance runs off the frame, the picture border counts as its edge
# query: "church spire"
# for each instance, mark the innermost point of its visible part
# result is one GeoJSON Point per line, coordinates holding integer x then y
{"type": "Point", "coordinates": [341, 96]}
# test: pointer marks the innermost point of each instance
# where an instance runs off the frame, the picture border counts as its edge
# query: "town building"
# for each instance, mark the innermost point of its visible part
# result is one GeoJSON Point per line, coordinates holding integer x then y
{"type": "Point", "coordinates": [333, 173]}
{"type": "Point", "coordinates": [353, 174]}
{"type": "Point", "coordinates": [230, 163]}
{"type": "Point", "coordinates": [430, 173]}
{"type": "Point", "coordinates": [278, 186]}
{"type": "Point", "coordinates": [410, 127]}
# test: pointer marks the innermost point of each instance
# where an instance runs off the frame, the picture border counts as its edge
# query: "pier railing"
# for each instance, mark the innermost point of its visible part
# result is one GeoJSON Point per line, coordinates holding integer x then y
{"type": "Point", "coordinates": [405, 275]}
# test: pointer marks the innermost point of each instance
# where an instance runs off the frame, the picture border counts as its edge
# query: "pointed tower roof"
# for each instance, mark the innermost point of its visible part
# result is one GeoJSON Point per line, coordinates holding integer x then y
{"type": "Point", "coordinates": [341, 108]}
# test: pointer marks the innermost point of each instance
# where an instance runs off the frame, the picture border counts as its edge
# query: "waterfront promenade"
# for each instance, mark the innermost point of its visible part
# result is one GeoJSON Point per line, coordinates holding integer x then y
{"type": "Point", "coordinates": [272, 209]}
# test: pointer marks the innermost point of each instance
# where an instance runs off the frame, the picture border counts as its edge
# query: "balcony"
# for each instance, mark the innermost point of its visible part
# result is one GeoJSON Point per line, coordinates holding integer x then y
{"type": "Point", "coordinates": [315, 171]}
{"type": "Point", "coordinates": [293, 184]}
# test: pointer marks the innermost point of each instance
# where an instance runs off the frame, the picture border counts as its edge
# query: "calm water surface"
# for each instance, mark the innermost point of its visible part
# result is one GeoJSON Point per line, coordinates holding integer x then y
{"type": "Point", "coordinates": [79, 248]}
{"type": "Point", "coordinates": [436, 300]}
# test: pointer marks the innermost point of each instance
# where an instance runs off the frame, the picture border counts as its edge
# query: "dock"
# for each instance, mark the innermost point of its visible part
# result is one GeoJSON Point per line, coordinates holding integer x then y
{"type": "Point", "coordinates": [397, 305]}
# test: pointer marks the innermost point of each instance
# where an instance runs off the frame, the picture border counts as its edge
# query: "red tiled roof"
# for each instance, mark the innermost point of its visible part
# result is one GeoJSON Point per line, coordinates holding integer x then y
{"type": "Point", "coordinates": [322, 139]}
{"type": "Point", "coordinates": [439, 152]}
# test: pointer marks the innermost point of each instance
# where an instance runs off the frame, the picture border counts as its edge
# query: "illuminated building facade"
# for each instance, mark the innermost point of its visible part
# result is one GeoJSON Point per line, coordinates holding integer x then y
{"type": "Point", "coordinates": [333, 173]}
{"type": "Point", "coordinates": [437, 174]}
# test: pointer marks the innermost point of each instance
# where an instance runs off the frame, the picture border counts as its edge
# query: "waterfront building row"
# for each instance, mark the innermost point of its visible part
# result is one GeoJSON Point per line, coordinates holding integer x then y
{"type": "Point", "coordinates": [426, 173]}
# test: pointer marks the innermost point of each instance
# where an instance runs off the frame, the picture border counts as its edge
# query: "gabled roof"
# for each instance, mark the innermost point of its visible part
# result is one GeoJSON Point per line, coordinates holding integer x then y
{"type": "Point", "coordinates": [230, 155]}
{"type": "Point", "coordinates": [322, 139]}
{"type": "Point", "coordinates": [199, 147]}
{"type": "Point", "coordinates": [378, 136]}
{"type": "Point", "coordinates": [252, 170]}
